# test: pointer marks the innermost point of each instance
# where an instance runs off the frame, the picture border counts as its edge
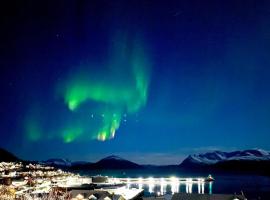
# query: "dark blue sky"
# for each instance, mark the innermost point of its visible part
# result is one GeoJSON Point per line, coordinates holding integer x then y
{"type": "Point", "coordinates": [181, 77]}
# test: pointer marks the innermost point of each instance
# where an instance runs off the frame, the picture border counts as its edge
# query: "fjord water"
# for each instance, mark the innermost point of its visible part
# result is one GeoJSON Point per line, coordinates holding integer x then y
{"type": "Point", "coordinates": [253, 186]}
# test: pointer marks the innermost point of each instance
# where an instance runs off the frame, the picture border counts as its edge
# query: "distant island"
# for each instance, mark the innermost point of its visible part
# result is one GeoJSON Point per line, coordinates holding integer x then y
{"type": "Point", "coordinates": [246, 161]}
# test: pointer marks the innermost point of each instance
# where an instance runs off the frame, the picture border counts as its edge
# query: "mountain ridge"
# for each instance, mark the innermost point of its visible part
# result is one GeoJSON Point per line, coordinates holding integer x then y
{"type": "Point", "coordinates": [245, 161]}
{"type": "Point", "coordinates": [211, 158]}
{"type": "Point", "coordinates": [254, 160]}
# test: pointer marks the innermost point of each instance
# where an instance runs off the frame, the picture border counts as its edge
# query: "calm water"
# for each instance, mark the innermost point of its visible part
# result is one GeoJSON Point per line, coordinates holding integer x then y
{"type": "Point", "coordinates": [253, 186]}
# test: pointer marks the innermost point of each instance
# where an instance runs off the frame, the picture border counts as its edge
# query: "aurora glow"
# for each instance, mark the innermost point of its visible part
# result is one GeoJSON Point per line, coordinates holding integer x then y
{"type": "Point", "coordinates": [32, 130]}
{"type": "Point", "coordinates": [32, 124]}
{"type": "Point", "coordinates": [130, 92]}
{"type": "Point", "coordinates": [71, 134]}
{"type": "Point", "coordinates": [123, 90]}
{"type": "Point", "coordinates": [146, 80]}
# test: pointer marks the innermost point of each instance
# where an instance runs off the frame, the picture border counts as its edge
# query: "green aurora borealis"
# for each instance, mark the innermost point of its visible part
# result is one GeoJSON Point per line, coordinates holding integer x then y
{"type": "Point", "coordinates": [119, 90]}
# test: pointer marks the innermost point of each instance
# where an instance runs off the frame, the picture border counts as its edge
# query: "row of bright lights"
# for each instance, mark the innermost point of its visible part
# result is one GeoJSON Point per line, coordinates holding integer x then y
{"type": "Point", "coordinates": [163, 181]}
{"type": "Point", "coordinates": [174, 182]}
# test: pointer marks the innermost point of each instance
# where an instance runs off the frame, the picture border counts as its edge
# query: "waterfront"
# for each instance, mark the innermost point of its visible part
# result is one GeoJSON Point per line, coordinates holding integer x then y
{"type": "Point", "coordinates": [252, 185]}
{"type": "Point", "coordinates": [20, 180]}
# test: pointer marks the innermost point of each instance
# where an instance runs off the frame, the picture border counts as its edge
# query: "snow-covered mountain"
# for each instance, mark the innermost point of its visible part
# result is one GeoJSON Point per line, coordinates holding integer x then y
{"type": "Point", "coordinates": [219, 156]}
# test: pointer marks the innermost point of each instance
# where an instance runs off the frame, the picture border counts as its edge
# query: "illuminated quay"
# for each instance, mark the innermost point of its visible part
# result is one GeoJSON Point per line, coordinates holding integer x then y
{"type": "Point", "coordinates": [160, 186]}
{"type": "Point", "coordinates": [40, 182]}
{"type": "Point", "coordinates": [34, 180]}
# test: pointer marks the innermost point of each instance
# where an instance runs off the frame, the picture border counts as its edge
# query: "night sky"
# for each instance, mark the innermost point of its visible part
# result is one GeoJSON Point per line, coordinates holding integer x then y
{"type": "Point", "coordinates": [151, 81]}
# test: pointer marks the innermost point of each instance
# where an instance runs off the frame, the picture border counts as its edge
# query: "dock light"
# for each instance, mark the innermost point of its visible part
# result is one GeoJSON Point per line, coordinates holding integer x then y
{"type": "Point", "coordinates": [128, 183]}
{"type": "Point", "coordinates": [189, 180]}
{"type": "Point", "coordinates": [200, 180]}
{"type": "Point", "coordinates": [140, 183]}
{"type": "Point", "coordinates": [174, 179]}
{"type": "Point", "coordinates": [151, 180]}
{"type": "Point", "coordinates": [163, 184]}
{"type": "Point", "coordinates": [151, 184]}
{"type": "Point", "coordinates": [203, 188]}
{"type": "Point", "coordinates": [140, 180]}
{"type": "Point", "coordinates": [162, 181]}
{"type": "Point", "coordinates": [174, 184]}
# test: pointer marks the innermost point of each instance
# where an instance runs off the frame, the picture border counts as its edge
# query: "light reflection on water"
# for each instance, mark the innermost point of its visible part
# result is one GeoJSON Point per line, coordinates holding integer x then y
{"type": "Point", "coordinates": [253, 186]}
{"type": "Point", "coordinates": [210, 187]}
{"type": "Point", "coordinates": [160, 187]}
